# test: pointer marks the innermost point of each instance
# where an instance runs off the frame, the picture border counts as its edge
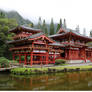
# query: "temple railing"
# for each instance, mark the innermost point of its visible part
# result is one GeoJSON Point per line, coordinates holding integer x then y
{"type": "Point", "coordinates": [73, 43]}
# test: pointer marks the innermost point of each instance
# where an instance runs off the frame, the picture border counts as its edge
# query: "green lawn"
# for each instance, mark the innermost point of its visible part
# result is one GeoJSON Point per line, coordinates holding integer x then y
{"type": "Point", "coordinates": [27, 71]}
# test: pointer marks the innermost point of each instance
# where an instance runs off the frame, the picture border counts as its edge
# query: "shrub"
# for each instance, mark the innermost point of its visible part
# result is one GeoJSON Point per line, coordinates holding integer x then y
{"type": "Point", "coordinates": [22, 58]}
{"type": "Point", "coordinates": [59, 61]}
{"type": "Point", "coordinates": [4, 62]}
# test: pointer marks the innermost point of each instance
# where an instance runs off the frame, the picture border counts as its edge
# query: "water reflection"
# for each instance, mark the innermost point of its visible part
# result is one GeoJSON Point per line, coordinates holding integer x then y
{"type": "Point", "coordinates": [60, 81]}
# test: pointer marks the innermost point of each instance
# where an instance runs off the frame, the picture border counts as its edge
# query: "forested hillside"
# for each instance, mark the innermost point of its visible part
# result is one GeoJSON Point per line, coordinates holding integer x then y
{"type": "Point", "coordinates": [9, 20]}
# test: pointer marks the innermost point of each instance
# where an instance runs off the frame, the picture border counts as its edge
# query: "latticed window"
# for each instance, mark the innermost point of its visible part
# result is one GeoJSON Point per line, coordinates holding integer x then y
{"type": "Point", "coordinates": [88, 54]}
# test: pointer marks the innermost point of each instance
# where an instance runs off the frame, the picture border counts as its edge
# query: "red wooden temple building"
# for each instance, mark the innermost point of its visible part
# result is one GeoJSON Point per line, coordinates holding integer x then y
{"type": "Point", "coordinates": [75, 46]}
{"type": "Point", "coordinates": [32, 46]}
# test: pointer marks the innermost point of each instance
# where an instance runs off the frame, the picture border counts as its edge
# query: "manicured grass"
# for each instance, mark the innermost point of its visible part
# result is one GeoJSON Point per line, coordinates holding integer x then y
{"type": "Point", "coordinates": [28, 71]}
{"type": "Point", "coordinates": [73, 67]}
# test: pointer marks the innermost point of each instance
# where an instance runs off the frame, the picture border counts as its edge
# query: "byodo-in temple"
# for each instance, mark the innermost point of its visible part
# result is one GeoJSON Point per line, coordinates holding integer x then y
{"type": "Point", "coordinates": [32, 46]}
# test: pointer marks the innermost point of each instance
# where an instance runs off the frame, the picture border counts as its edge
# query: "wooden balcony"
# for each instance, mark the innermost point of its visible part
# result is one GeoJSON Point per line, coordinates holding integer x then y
{"type": "Point", "coordinates": [73, 43]}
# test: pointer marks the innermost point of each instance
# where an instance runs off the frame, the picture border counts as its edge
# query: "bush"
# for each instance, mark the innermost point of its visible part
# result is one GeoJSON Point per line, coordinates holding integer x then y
{"type": "Point", "coordinates": [4, 62]}
{"type": "Point", "coordinates": [60, 61]}
{"type": "Point", "coordinates": [22, 58]}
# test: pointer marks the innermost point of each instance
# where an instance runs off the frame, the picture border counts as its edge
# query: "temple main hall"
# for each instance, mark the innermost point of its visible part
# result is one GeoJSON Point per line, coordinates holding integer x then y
{"type": "Point", "coordinates": [31, 46]}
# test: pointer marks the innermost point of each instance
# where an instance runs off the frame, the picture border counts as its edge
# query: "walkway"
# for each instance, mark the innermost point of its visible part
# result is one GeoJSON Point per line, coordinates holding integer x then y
{"type": "Point", "coordinates": [51, 65]}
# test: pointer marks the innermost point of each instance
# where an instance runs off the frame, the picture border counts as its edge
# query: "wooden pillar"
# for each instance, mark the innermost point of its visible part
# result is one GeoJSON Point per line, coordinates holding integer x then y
{"type": "Point", "coordinates": [85, 55]}
{"type": "Point", "coordinates": [66, 53]}
{"type": "Point", "coordinates": [25, 62]}
{"type": "Point", "coordinates": [54, 58]}
{"type": "Point", "coordinates": [41, 60]}
{"type": "Point", "coordinates": [47, 56]}
{"type": "Point", "coordinates": [69, 55]}
{"type": "Point", "coordinates": [31, 60]}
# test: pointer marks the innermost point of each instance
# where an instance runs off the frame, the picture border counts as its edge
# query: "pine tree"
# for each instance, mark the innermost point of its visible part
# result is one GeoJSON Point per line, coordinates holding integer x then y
{"type": "Point", "coordinates": [64, 24]}
{"type": "Point", "coordinates": [77, 29]}
{"type": "Point", "coordinates": [84, 32]}
{"type": "Point", "coordinates": [2, 15]}
{"type": "Point", "coordinates": [51, 27]}
{"type": "Point", "coordinates": [44, 27]}
{"type": "Point", "coordinates": [31, 25]}
{"type": "Point", "coordinates": [59, 25]}
{"type": "Point", "coordinates": [60, 22]}
{"type": "Point", "coordinates": [91, 33]}
{"type": "Point", "coordinates": [39, 26]}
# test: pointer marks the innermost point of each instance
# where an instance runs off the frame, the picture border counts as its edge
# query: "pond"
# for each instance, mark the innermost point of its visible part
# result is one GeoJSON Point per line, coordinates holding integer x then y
{"type": "Point", "coordinates": [58, 81]}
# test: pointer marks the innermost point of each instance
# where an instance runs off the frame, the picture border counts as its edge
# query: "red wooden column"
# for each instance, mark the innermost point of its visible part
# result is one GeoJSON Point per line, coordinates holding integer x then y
{"type": "Point", "coordinates": [19, 58]}
{"type": "Point", "coordinates": [54, 58]}
{"type": "Point", "coordinates": [25, 62]}
{"type": "Point", "coordinates": [66, 54]}
{"type": "Point", "coordinates": [31, 61]}
{"type": "Point", "coordinates": [47, 56]}
{"type": "Point", "coordinates": [69, 54]}
{"type": "Point", "coordinates": [85, 55]}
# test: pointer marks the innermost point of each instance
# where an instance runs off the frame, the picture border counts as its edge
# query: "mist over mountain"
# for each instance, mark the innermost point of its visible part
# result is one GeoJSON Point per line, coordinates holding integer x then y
{"type": "Point", "coordinates": [15, 15]}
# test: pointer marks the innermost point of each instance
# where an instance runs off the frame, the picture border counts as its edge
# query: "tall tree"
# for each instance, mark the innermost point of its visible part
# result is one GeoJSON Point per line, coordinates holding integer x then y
{"type": "Point", "coordinates": [51, 27]}
{"type": "Point", "coordinates": [31, 25]}
{"type": "Point", "coordinates": [59, 25]}
{"type": "Point", "coordinates": [60, 22]}
{"type": "Point", "coordinates": [39, 26]}
{"type": "Point", "coordinates": [2, 15]}
{"type": "Point", "coordinates": [64, 24]}
{"type": "Point", "coordinates": [91, 33]}
{"type": "Point", "coordinates": [84, 32]}
{"type": "Point", "coordinates": [77, 29]}
{"type": "Point", "coordinates": [44, 27]}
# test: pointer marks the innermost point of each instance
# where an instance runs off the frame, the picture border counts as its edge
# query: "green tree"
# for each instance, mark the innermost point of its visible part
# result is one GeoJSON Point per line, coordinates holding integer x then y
{"type": "Point", "coordinates": [59, 25]}
{"type": "Point", "coordinates": [5, 25]}
{"type": "Point", "coordinates": [44, 27]}
{"type": "Point", "coordinates": [51, 27]}
{"type": "Point", "coordinates": [84, 32]}
{"type": "Point", "coordinates": [39, 26]}
{"type": "Point", "coordinates": [64, 24]}
{"type": "Point", "coordinates": [91, 33]}
{"type": "Point", "coordinates": [77, 29]}
{"type": "Point", "coordinates": [31, 25]}
{"type": "Point", "coordinates": [2, 15]}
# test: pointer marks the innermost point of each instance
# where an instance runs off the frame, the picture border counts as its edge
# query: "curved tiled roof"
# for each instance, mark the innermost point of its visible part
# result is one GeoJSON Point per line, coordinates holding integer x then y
{"type": "Point", "coordinates": [67, 30]}
{"type": "Point", "coordinates": [32, 36]}
{"type": "Point", "coordinates": [25, 28]}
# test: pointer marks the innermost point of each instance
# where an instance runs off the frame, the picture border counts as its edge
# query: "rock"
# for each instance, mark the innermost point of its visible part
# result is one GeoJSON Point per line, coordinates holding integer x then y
{"type": "Point", "coordinates": [65, 69]}
{"type": "Point", "coordinates": [77, 69]}
{"type": "Point", "coordinates": [54, 70]}
{"type": "Point", "coordinates": [83, 69]}
{"type": "Point", "coordinates": [90, 69]}
{"type": "Point", "coordinates": [49, 70]}
{"type": "Point", "coordinates": [71, 70]}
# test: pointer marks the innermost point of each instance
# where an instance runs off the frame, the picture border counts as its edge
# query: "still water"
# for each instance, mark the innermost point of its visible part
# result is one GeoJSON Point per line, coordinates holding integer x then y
{"type": "Point", "coordinates": [59, 81]}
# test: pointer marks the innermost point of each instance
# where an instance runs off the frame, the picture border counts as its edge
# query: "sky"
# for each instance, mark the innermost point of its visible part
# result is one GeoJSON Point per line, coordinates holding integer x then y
{"type": "Point", "coordinates": [76, 12]}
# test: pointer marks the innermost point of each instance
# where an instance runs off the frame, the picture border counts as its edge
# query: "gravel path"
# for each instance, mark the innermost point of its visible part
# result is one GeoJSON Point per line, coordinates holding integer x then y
{"type": "Point", "coordinates": [70, 65]}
